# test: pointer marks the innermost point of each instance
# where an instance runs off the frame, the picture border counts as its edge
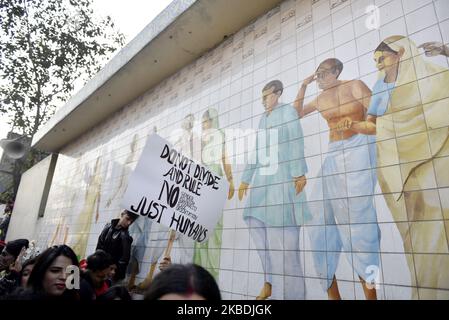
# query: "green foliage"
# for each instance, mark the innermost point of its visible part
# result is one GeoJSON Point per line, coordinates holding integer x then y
{"type": "Point", "coordinates": [45, 47]}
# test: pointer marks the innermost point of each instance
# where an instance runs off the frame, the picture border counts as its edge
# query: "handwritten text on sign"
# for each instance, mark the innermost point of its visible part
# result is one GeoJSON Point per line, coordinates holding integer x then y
{"type": "Point", "coordinates": [173, 190]}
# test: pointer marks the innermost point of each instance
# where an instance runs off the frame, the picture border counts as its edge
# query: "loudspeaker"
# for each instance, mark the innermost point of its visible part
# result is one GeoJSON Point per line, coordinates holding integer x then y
{"type": "Point", "coordinates": [13, 148]}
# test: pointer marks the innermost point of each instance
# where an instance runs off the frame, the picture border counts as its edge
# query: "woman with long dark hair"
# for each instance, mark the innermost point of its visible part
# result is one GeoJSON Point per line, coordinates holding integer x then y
{"type": "Point", "coordinates": [49, 276]}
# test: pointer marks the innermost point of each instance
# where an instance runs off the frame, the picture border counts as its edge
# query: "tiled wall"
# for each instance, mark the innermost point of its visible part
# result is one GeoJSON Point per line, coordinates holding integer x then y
{"type": "Point", "coordinates": [288, 44]}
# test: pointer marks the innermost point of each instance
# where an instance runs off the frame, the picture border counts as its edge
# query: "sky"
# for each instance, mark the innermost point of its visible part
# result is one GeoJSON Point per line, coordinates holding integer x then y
{"type": "Point", "coordinates": [129, 16]}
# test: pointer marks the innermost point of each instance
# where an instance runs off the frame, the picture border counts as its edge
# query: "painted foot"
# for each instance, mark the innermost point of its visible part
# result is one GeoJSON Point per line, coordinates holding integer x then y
{"type": "Point", "coordinates": [265, 293]}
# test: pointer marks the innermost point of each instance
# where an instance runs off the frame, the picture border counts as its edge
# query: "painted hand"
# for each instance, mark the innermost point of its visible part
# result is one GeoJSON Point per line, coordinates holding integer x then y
{"type": "Point", "coordinates": [243, 189]}
{"type": "Point", "coordinates": [300, 183]}
{"type": "Point", "coordinates": [165, 263]}
{"type": "Point", "coordinates": [231, 190]}
{"type": "Point", "coordinates": [433, 49]}
{"type": "Point", "coordinates": [309, 80]}
{"type": "Point", "coordinates": [344, 124]}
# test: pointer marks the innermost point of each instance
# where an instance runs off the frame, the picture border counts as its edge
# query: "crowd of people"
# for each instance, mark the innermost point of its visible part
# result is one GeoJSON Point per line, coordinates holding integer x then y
{"type": "Point", "coordinates": [56, 273]}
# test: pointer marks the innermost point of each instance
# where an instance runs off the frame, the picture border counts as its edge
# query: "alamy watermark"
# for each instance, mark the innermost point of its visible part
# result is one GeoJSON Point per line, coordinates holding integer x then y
{"type": "Point", "coordinates": [372, 21]}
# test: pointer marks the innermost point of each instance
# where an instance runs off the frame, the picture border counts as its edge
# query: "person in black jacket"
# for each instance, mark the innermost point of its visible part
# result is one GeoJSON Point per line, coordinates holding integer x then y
{"type": "Point", "coordinates": [115, 240]}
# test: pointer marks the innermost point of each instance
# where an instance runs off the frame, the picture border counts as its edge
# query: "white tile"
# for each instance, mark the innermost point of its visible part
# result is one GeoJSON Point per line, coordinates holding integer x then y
{"type": "Point", "coordinates": [241, 239]}
{"type": "Point", "coordinates": [226, 259]}
{"type": "Point", "coordinates": [290, 92]}
{"type": "Point", "coordinates": [344, 34]}
{"type": "Point", "coordinates": [306, 53]}
{"type": "Point", "coordinates": [397, 292]}
{"type": "Point", "coordinates": [380, 2]}
{"type": "Point", "coordinates": [240, 282]}
{"type": "Point", "coordinates": [314, 290]}
{"type": "Point", "coordinates": [288, 61]}
{"type": "Point", "coordinates": [225, 280]}
{"type": "Point", "coordinates": [288, 45]}
{"type": "Point", "coordinates": [367, 64]}
{"type": "Point", "coordinates": [289, 77]}
{"type": "Point", "coordinates": [368, 42]}
{"type": "Point", "coordinates": [288, 29]}
{"type": "Point", "coordinates": [397, 26]}
{"type": "Point", "coordinates": [360, 26]}
{"type": "Point", "coordinates": [322, 27]}
{"type": "Point", "coordinates": [305, 36]}
{"type": "Point", "coordinates": [390, 12]}
{"type": "Point", "coordinates": [347, 290]}
{"type": "Point", "coordinates": [395, 269]}
{"type": "Point", "coordinates": [321, 10]}
{"type": "Point", "coordinates": [412, 5]}
{"type": "Point", "coordinates": [241, 260]}
{"type": "Point", "coordinates": [323, 44]}
{"type": "Point", "coordinates": [359, 7]}
{"type": "Point", "coordinates": [442, 9]}
{"type": "Point", "coordinates": [273, 69]}
{"type": "Point", "coordinates": [421, 19]}
{"type": "Point", "coordinates": [346, 52]}
{"type": "Point", "coordinates": [350, 70]}
{"type": "Point", "coordinates": [260, 75]}
{"type": "Point", "coordinates": [341, 17]}
{"type": "Point", "coordinates": [444, 28]}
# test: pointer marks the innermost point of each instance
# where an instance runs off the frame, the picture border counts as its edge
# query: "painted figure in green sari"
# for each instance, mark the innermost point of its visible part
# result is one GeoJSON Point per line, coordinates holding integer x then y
{"type": "Point", "coordinates": [213, 156]}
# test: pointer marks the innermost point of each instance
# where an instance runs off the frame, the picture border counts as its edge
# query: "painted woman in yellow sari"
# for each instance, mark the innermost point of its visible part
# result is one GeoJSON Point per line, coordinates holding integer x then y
{"type": "Point", "coordinates": [80, 237]}
{"type": "Point", "coordinates": [409, 113]}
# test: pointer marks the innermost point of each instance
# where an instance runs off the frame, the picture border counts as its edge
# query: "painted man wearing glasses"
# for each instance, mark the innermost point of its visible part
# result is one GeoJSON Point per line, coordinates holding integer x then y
{"type": "Point", "coordinates": [347, 219]}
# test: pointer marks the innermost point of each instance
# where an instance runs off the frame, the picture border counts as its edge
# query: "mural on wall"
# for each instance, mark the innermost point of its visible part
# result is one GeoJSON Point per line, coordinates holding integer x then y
{"type": "Point", "coordinates": [213, 156]}
{"type": "Point", "coordinates": [361, 130]}
{"type": "Point", "coordinates": [275, 206]}
{"type": "Point", "coordinates": [61, 233]}
{"type": "Point", "coordinates": [409, 110]}
{"type": "Point", "coordinates": [79, 237]}
{"type": "Point", "coordinates": [124, 171]}
{"type": "Point", "coordinates": [347, 213]}
{"type": "Point", "coordinates": [188, 144]}
{"type": "Point", "coordinates": [345, 174]}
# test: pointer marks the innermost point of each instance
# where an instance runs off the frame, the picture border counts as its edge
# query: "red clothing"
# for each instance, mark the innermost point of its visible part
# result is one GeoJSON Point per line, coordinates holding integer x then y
{"type": "Point", "coordinates": [102, 290]}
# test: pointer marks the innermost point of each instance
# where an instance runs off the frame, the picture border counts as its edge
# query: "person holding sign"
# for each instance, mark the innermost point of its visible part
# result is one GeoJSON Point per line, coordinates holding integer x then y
{"type": "Point", "coordinates": [276, 205]}
{"type": "Point", "coordinates": [115, 240]}
{"type": "Point", "coordinates": [214, 157]}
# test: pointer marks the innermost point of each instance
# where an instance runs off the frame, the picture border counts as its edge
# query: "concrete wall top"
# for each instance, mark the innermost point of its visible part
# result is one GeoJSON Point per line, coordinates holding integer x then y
{"type": "Point", "coordinates": [184, 31]}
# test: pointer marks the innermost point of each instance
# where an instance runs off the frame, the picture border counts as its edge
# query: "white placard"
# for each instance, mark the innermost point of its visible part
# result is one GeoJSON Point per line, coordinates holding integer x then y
{"type": "Point", "coordinates": [174, 190]}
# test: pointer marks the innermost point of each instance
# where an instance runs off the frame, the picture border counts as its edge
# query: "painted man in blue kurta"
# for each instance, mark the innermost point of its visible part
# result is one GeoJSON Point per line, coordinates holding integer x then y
{"type": "Point", "coordinates": [276, 205]}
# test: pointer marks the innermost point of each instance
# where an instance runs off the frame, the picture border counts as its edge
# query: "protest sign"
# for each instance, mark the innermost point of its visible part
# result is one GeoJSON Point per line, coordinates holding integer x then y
{"type": "Point", "coordinates": [173, 190]}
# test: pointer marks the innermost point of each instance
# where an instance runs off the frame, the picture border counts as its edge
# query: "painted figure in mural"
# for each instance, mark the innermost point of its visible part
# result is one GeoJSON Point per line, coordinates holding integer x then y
{"type": "Point", "coordinates": [276, 206]}
{"type": "Point", "coordinates": [347, 219]}
{"type": "Point", "coordinates": [187, 144]}
{"type": "Point", "coordinates": [409, 115]}
{"type": "Point", "coordinates": [115, 240]}
{"type": "Point", "coordinates": [214, 157]}
{"type": "Point", "coordinates": [80, 236]}
{"type": "Point", "coordinates": [122, 171]}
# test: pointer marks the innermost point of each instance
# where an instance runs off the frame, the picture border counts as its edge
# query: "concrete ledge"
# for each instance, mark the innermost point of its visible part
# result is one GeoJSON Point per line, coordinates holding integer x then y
{"type": "Point", "coordinates": [179, 35]}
